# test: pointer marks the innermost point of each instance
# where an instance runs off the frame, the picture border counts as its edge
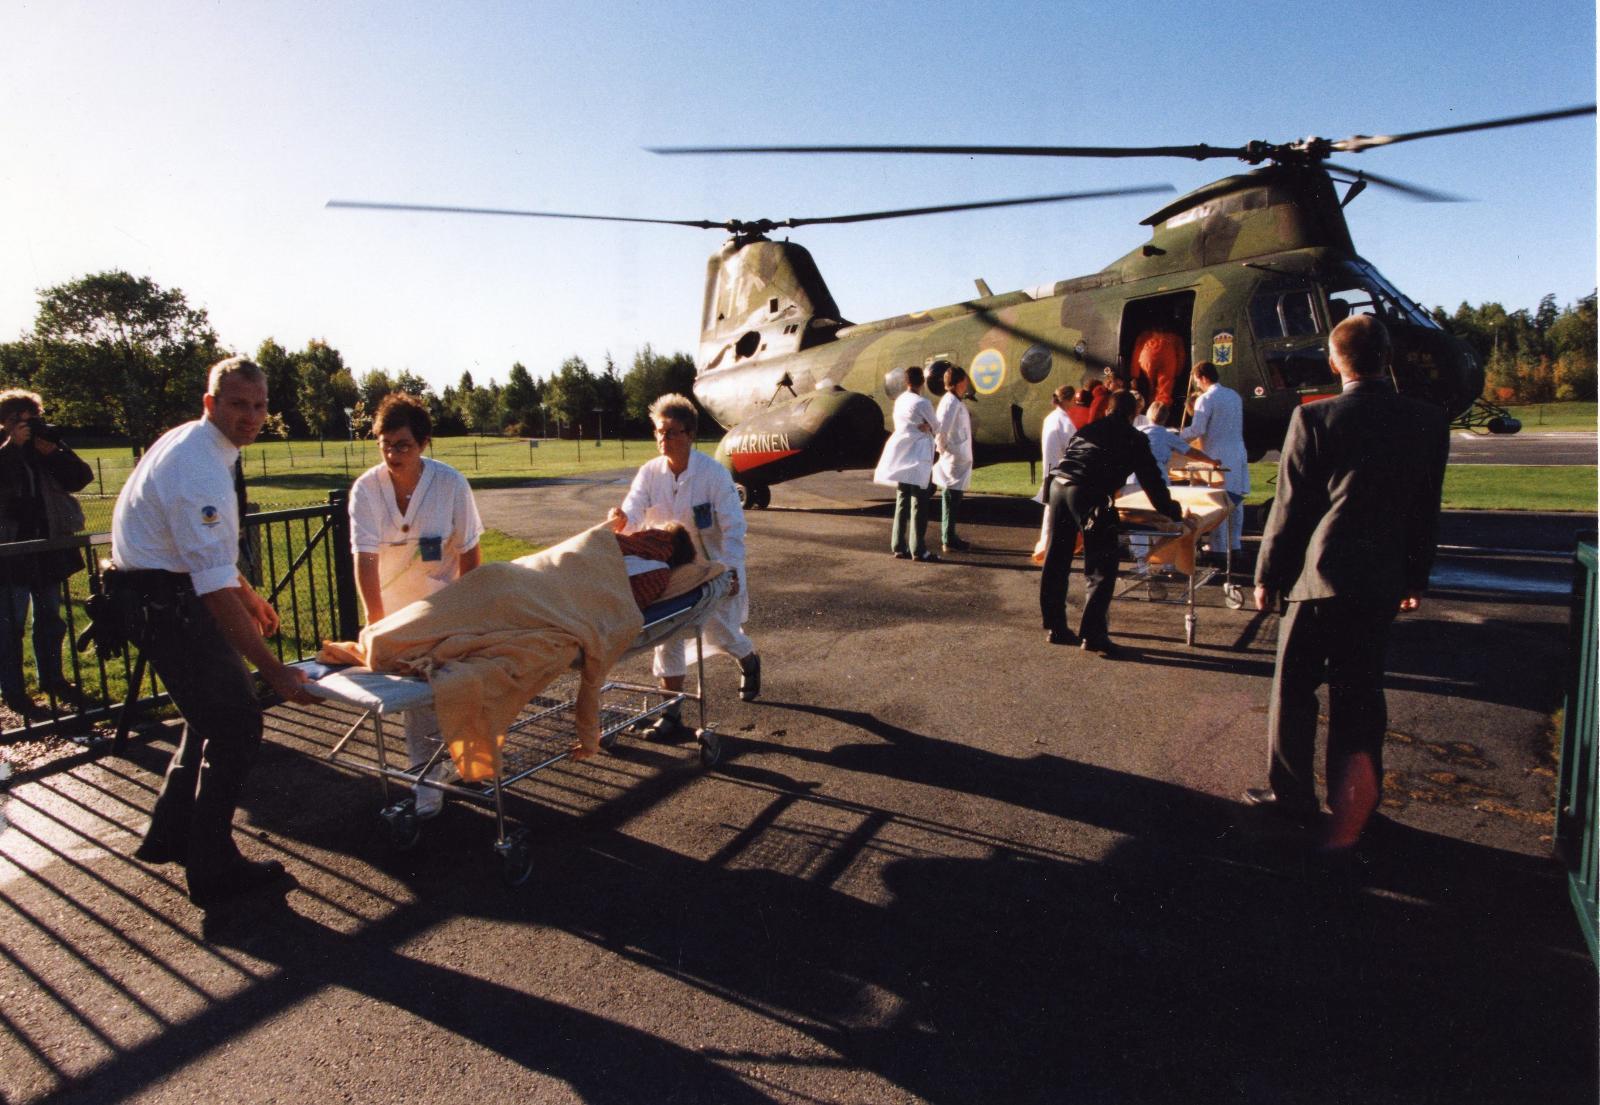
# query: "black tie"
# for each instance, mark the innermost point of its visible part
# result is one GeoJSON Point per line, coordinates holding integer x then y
{"type": "Point", "coordinates": [239, 498]}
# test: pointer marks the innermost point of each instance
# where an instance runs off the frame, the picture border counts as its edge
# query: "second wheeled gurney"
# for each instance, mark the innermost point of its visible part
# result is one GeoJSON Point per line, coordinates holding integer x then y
{"type": "Point", "coordinates": [544, 732]}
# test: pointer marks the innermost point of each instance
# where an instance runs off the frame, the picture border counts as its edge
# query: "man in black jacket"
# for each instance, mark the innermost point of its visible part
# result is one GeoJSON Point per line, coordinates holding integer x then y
{"type": "Point", "coordinates": [1350, 542]}
{"type": "Point", "coordinates": [38, 473]}
{"type": "Point", "coordinates": [1097, 462]}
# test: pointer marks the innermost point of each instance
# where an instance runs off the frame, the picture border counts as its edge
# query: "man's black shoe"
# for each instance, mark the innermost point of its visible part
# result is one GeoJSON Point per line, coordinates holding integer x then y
{"type": "Point", "coordinates": [1061, 637]}
{"type": "Point", "coordinates": [928, 557]}
{"type": "Point", "coordinates": [902, 555]}
{"type": "Point", "coordinates": [159, 851]}
{"type": "Point", "coordinates": [1102, 646]}
{"type": "Point", "coordinates": [1263, 798]}
{"type": "Point", "coordinates": [669, 730]}
{"type": "Point", "coordinates": [240, 877]}
{"type": "Point", "coordinates": [957, 545]}
{"type": "Point", "coordinates": [750, 677]}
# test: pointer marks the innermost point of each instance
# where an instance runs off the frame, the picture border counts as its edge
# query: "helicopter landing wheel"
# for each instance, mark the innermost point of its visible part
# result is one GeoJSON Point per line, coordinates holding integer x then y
{"type": "Point", "coordinates": [755, 497]}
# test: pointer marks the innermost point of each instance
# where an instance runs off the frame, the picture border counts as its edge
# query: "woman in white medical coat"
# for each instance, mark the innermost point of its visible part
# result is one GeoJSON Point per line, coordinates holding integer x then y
{"type": "Point", "coordinates": [414, 527]}
{"type": "Point", "coordinates": [907, 465]}
{"type": "Point", "coordinates": [953, 470]}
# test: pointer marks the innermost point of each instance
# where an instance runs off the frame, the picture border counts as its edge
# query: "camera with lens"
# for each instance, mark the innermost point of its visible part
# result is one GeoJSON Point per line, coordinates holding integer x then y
{"type": "Point", "coordinates": [44, 431]}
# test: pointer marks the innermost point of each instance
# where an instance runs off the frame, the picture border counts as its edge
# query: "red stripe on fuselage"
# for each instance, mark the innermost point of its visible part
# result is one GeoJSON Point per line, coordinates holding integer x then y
{"type": "Point", "coordinates": [1304, 399]}
{"type": "Point", "coordinates": [744, 462]}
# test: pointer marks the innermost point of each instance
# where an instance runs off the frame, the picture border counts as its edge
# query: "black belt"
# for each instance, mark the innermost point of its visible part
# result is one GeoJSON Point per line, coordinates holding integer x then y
{"type": "Point", "coordinates": [153, 583]}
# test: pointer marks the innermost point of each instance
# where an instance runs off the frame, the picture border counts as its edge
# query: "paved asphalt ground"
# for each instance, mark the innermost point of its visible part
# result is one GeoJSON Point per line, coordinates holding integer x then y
{"type": "Point", "coordinates": [943, 862]}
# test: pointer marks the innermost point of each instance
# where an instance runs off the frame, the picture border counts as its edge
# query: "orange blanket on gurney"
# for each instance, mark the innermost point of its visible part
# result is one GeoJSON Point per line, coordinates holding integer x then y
{"type": "Point", "coordinates": [500, 634]}
{"type": "Point", "coordinates": [1206, 508]}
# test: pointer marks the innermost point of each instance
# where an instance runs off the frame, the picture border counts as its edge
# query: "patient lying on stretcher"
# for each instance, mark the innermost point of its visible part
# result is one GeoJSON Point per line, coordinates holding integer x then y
{"type": "Point", "coordinates": [500, 634]}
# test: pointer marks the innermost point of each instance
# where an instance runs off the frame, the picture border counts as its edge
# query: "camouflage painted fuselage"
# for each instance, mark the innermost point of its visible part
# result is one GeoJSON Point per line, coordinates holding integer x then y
{"type": "Point", "coordinates": [1251, 270]}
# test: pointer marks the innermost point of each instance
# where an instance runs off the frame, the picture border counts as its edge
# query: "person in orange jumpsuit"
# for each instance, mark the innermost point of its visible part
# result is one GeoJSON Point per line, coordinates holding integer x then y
{"type": "Point", "coordinates": [1157, 360]}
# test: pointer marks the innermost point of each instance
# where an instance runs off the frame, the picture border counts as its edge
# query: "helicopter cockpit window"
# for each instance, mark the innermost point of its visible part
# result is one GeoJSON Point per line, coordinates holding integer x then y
{"type": "Point", "coordinates": [1282, 314]}
{"type": "Point", "coordinates": [1370, 294]}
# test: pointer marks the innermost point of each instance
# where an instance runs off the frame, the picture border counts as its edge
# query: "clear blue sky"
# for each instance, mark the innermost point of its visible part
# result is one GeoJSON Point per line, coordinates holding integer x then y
{"type": "Point", "coordinates": [196, 143]}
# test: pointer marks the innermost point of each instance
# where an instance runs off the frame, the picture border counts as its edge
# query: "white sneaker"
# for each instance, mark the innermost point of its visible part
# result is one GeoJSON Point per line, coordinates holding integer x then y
{"type": "Point", "coordinates": [428, 801]}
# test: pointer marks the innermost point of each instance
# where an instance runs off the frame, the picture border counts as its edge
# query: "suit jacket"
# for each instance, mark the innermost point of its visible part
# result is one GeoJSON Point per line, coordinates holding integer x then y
{"type": "Point", "coordinates": [1357, 506]}
{"type": "Point", "coordinates": [1101, 456]}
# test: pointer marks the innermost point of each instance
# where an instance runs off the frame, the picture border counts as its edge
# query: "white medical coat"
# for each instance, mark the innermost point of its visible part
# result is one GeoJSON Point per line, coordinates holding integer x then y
{"type": "Point", "coordinates": [908, 454]}
{"type": "Point", "coordinates": [705, 501]}
{"type": "Point", "coordinates": [1054, 436]}
{"type": "Point", "coordinates": [954, 440]}
{"type": "Point", "coordinates": [1219, 424]}
{"type": "Point", "coordinates": [441, 510]}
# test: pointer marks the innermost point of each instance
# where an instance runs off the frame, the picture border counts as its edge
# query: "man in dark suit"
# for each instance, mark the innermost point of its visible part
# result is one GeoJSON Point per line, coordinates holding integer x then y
{"type": "Point", "coordinates": [1098, 461]}
{"type": "Point", "coordinates": [1349, 543]}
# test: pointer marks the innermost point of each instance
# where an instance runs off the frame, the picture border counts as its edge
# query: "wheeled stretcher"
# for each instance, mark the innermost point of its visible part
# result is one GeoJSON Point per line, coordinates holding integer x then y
{"type": "Point", "coordinates": [1174, 549]}
{"type": "Point", "coordinates": [543, 734]}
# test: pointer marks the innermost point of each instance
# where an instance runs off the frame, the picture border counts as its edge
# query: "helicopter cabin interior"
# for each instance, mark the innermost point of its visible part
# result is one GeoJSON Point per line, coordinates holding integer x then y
{"type": "Point", "coordinates": [1172, 313]}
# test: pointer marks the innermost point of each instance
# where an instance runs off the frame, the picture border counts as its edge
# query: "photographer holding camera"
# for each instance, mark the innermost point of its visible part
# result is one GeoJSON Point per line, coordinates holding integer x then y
{"type": "Point", "coordinates": [38, 474]}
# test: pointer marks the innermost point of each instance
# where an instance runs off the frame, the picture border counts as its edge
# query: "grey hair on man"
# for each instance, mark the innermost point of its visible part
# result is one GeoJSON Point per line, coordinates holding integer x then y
{"type": "Point", "coordinates": [679, 408]}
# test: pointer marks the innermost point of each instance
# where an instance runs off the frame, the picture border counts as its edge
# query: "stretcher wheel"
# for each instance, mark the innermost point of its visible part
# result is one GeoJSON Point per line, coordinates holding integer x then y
{"type": "Point", "coordinates": [404, 828]}
{"type": "Point", "coordinates": [710, 748]}
{"type": "Point", "coordinates": [609, 740]}
{"type": "Point", "coordinates": [516, 860]}
{"type": "Point", "coordinates": [1233, 596]}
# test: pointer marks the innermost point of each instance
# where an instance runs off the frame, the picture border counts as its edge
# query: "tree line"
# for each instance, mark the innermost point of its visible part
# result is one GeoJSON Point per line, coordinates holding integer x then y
{"type": "Point", "coordinates": [118, 355]}
{"type": "Point", "coordinates": [1539, 356]}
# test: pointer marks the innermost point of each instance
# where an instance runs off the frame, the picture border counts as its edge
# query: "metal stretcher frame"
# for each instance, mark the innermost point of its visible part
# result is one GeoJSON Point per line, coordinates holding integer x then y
{"type": "Point", "coordinates": [1153, 585]}
{"type": "Point", "coordinates": [541, 736]}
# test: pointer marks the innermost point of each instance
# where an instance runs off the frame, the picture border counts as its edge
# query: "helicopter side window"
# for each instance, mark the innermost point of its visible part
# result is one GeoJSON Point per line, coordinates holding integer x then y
{"type": "Point", "coordinates": [1282, 315]}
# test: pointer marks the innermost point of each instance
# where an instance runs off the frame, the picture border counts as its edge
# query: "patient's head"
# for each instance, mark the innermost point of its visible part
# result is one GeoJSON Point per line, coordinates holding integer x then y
{"type": "Point", "coordinates": [682, 544]}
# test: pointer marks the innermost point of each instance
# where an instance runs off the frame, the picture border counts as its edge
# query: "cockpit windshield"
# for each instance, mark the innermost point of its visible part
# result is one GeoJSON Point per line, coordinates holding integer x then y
{"type": "Point", "coordinates": [1359, 289]}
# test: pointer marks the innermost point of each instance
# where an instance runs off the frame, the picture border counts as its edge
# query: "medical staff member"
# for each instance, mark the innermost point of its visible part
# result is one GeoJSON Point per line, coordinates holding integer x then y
{"type": "Point", "coordinates": [174, 554]}
{"type": "Point", "coordinates": [1163, 445]}
{"type": "Point", "coordinates": [952, 472]}
{"type": "Point", "coordinates": [906, 465]}
{"type": "Point", "coordinates": [1054, 434]}
{"type": "Point", "coordinates": [686, 486]}
{"type": "Point", "coordinates": [1219, 423]}
{"type": "Point", "coordinates": [414, 527]}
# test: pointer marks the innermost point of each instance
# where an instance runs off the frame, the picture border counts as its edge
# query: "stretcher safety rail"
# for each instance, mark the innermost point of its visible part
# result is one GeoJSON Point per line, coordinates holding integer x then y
{"type": "Point", "coordinates": [543, 734]}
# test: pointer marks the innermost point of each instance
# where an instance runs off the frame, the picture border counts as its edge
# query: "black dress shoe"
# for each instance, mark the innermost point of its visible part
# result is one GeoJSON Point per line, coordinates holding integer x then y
{"type": "Point", "coordinates": [750, 677]}
{"type": "Point", "coordinates": [1061, 637]}
{"type": "Point", "coordinates": [902, 555]}
{"type": "Point", "coordinates": [153, 850]}
{"type": "Point", "coordinates": [1102, 646]}
{"type": "Point", "coordinates": [957, 545]}
{"type": "Point", "coordinates": [240, 877]}
{"type": "Point", "coordinates": [1263, 798]}
{"type": "Point", "coordinates": [928, 557]}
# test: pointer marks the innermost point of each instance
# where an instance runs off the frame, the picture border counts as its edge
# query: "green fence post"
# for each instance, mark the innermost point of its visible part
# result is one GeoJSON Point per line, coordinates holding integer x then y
{"type": "Point", "coordinates": [1577, 830]}
{"type": "Point", "coordinates": [344, 567]}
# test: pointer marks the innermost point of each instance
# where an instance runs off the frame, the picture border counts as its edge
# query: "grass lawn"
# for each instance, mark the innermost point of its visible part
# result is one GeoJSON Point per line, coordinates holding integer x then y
{"type": "Point", "coordinates": [1466, 486]}
{"type": "Point", "coordinates": [1556, 416]}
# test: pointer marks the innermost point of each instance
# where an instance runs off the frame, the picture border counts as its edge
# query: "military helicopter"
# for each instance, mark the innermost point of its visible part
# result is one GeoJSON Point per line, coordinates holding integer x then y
{"type": "Point", "coordinates": [1251, 271]}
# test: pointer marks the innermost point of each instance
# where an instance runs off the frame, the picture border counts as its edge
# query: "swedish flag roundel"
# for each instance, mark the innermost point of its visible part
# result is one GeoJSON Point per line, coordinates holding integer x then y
{"type": "Point", "coordinates": [988, 372]}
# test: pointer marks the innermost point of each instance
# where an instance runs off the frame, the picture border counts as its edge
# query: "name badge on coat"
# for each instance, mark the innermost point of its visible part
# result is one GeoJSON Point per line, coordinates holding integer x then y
{"type": "Point", "coordinates": [432, 548]}
{"type": "Point", "coordinates": [702, 515]}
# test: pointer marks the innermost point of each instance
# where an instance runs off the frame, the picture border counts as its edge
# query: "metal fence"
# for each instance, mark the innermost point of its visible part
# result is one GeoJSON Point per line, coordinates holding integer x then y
{"type": "Point", "coordinates": [298, 558]}
{"type": "Point", "coordinates": [1576, 828]}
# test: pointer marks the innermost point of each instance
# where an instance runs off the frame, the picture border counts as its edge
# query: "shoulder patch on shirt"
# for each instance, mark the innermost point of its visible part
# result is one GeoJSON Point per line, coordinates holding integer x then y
{"type": "Point", "coordinates": [209, 516]}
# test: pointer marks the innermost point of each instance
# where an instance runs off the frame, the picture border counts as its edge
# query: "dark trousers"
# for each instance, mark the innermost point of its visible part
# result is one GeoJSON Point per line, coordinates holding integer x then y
{"type": "Point", "coordinates": [1069, 508]}
{"type": "Point", "coordinates": [949, 507]}
{"type": "Point", "coordinates": [1342, 642]}
{"type": "Point", "coordinates": [215, 693]}
{"type": "Point", "coordinates": [910, 519]}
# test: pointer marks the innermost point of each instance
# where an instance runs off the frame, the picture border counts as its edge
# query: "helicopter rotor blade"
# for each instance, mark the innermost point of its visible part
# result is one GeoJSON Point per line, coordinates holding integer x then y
{"type": "Point", "coordinates": [907, 212]}
{"type": "Point", "coordinates": [1414, 191]}
{"type": "Point", "coordinates": [1358, 142]}
{"type": "Point", "coordinates": [1198, 153]}
{"type": "Point", "coordinates": [701, 224]}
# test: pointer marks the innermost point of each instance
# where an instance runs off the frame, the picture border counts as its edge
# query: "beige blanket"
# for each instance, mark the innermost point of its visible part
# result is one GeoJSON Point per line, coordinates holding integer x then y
{"type": "Point", "coordinates": [500, 634]}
